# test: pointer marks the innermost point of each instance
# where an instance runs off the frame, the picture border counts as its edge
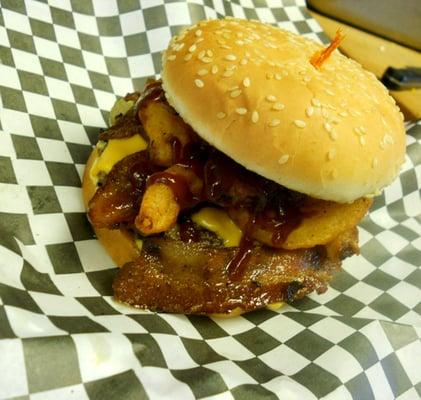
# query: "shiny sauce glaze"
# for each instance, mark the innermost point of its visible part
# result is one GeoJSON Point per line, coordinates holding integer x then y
{"type": "Point", "coordinates": [152, 92]}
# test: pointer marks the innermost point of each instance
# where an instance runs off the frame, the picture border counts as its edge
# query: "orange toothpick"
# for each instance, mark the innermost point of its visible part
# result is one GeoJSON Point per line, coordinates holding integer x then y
{"type": "Point", "coordinates": [319, 57]}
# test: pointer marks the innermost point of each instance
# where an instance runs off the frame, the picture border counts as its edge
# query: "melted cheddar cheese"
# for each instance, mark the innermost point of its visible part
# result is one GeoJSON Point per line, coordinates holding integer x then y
{"type": "Point", "coordinates": [116, 150]}
{"type": "Point", "coordinates": [220, 223]}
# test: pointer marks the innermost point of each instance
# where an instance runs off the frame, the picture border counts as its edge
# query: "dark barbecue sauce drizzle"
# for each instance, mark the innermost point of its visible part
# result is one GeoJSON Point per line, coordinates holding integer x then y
{"type": "Point", "coordinates": [238, 263]}
{"type": "Point", "coordinates": [188, 231]}
{"type": "Point", "coordinates": [153, 92]}
{"type": "Point", "coordinates": [179, 187]}
{"type": "Point", "coordinates": [269, 206]}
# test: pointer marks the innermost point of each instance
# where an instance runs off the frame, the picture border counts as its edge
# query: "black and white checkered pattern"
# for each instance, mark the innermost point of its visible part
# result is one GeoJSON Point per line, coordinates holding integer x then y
{"type": "Point", "coordinates": [63, 63]}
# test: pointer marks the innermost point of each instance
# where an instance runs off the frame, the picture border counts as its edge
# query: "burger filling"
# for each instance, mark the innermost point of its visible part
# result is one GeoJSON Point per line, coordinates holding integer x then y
{"type": "Point", "coordinates": [217, 238]}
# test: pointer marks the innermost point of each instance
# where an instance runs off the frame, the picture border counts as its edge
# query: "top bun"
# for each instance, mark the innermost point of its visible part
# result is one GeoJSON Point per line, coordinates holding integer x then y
{"type": "Point", "coordinates": [249, 90]}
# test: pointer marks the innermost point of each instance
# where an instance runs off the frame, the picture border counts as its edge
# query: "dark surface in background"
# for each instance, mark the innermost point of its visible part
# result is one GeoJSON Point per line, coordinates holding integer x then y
{"type": "Point", "coordinates": [399, 21]}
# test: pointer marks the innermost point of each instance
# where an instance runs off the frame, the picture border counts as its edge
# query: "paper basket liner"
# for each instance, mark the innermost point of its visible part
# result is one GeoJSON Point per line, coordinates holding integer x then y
{"type": "Point", "coordinates": [63, 64]}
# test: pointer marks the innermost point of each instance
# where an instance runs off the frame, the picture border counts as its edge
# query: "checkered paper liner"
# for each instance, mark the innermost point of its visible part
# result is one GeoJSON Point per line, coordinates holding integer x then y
{"type": "Point", "coordinates": [63, 337]}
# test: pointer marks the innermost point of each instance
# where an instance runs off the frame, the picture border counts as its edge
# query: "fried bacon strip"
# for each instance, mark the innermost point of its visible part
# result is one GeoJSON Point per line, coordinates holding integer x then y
{"type": "Point", "coordinates": [192, 278]}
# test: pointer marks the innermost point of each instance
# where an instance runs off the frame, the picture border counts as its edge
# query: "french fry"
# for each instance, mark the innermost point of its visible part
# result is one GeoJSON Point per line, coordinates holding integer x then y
{"type": "Point", "coordinates": [162, 125]}
{"type": "Point", "coordinates": [158, 211]}
{"type": "Point", "coordinates": [160, 207]}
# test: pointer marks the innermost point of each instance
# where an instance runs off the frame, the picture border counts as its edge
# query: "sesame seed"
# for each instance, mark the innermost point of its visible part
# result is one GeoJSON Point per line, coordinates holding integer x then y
{"type": "Point", "coordinates": [300, 123]}
{"type": "Point", "coordinates": [235, 93]}
{"type": "Point", "coordinates": [201, 54]}
{"type": "Point", "coordinates": [316, 102]}
{"type": "Point", "coordinates": [331, 154]}
{"type": "Point", "coordinates": [199, 83]}
{"type": "Point", "coordinates": [309, 111]}
{"type": "Point", "coordinates": [198, 33]}
{"type": "Point", "coordinates": [221, 115]}
{"type": "Point", "coordinates": [327, 127]}
{"type": "Point", "coordinates": [179, 47]}
{"type": "Point", "coordinates": [214, 69]}
{"type": "Point", "coordinates": [187, 57]}
{"type": "Point", "coordinates": [382, 144]}
{"type": "Point", "coordinates": [274, 122]}
{"type": "Point", "coordinates": [172, 57]}
{"type": "Point", "coordinates": [207, 60]}
{"type": "Point", "coordinates": [343, 114]}
{"type": "Point", "coordinates": [269, 75]}
{"type": "Point", "coordinates": [271, 98]}
{"type": "Point", "coordinates": [355, 113]}
{"type": "Point", "coordinates": [254, 116]}
{"type": "Point", "coordinates": [243, 61]}
{"type": "Point", "coordinates": [278, 106]}
{"type": "Point", "coordinates": [233, 88]}
{"type": "Point", "coordinates": [230, 57]}
{"type": "Point", "coordinates": [192, 48]}
{"type": "Point", "coordinates": [375, 162]}
{"type": "Point", "coordinates": [246, 82]}
{"type": "Point", "coordinates": [224, 46]}
{"type": "Point", "coordinates": [227, 74]}
{"type": "Point", "coordinates": [333, 135]}
{"type": "Point", "coordinates": [388, 139]}
{"type": "Point", "coordinates": [278, 77]}
{"type": "Point", "coordinates": [362, 129]}
{"type": "Point", "coordinates": [283, 159]}
{"type": "Point", "coordinates": [357, 130]}
{"type": "Point", "coordinates": [202, 72]}
{"type": "Point", "coordinates": [209, 53]}
{"type": "Point", "coordinates": [239, 42]}
{"type": "Point", "coordinates": [306, 79]}
{"type": "Point", "coordinates": [241, 110]}
{"type": "Point", "coordinates": [362, 140]}
{"type": "Point", "coordinates": [230, 67]}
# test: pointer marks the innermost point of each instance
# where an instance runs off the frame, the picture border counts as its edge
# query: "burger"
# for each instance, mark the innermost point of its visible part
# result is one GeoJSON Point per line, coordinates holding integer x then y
{"type": "Point", "coordinates": [237, 181]}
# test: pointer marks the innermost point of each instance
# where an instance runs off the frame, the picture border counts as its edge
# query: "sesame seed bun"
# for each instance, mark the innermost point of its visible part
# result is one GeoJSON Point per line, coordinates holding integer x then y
{"type": "Point", "coordinates": [250, 90]}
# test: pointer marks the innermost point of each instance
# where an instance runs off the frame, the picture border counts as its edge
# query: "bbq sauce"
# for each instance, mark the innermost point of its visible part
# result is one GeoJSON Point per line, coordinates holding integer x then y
{"type": "Point", "coordinates": [269, 207]}
{"type": "Point", "coordinates": [188, 231]}
{"type": "Point", "coordinates": [153, 92]}
{"type": "Point", "coordinates": [179, 187]}
{"type": "Point", "coordinates": [238, 263]}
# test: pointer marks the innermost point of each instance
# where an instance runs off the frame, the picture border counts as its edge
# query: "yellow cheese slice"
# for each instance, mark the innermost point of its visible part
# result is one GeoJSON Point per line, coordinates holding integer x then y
{"type": "Point", "coordinates": [219, 222]}
{"type": "Point", "coordinates": [116, 150]}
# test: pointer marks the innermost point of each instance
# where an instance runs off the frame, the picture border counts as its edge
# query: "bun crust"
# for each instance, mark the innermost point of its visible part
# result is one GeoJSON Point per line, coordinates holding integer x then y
{"type": "Point", "coordinates": [119, 243]}
{"type": "Point", "coordinates": [249, 90]}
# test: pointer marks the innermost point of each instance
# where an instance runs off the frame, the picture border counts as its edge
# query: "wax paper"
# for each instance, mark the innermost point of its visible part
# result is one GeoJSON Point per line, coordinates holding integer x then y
{"type": "Point", "coordinates": [63, 64]}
